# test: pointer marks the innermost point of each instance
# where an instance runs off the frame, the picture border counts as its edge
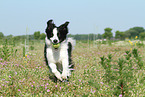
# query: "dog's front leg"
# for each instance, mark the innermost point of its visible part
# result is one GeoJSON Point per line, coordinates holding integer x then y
{"type": "Point", "coordinates": [65, 71]}
{"type": "Point", "coordinates": [55, 71]}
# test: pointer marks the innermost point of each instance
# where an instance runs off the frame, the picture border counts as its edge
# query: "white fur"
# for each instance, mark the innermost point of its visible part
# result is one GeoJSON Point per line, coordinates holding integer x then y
{"type": "Point", "coordinates": [54, 35]}
{"type": "Point", "coordinates": [59, 55]}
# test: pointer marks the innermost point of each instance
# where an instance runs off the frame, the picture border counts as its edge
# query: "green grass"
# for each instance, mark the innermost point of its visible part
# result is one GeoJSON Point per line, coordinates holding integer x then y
{"type": "Point", "coordinates": [29, 75]}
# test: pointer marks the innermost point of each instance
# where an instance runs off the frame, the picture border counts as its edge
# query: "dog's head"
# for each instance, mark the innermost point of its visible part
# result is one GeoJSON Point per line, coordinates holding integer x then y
{"type": "Point", "coordinates": [56, 34]}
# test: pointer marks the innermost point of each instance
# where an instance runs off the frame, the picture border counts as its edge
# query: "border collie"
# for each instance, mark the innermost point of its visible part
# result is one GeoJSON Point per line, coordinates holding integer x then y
{"type": "Point", "coordinates": [57, 50]}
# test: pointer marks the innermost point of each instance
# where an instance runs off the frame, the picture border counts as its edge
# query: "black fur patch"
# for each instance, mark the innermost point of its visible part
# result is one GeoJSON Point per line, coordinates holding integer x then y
{"type": "Point", "coordinates": [45, 55]}
{"type": "Point", "coordinates": [69, 54]}
{"type": "Point", "coordinates": [49, 29]}
{"type": "Point", "coordinates": [62, 31]}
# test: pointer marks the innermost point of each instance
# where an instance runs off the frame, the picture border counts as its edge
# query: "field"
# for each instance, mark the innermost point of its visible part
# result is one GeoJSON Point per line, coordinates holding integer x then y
{"type": "Point", "coordinates": [102, 69]}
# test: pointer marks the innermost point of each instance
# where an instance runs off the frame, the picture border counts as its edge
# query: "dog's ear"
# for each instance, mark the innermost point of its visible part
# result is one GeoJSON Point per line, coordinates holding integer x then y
{"type": "Point", "coordinates": [50, 25]}
{"type": "Point", "coordinates": [64, 25]}
{"type": "Point", "coordinates": [63, 28]}
{"type": "Point", "coordinates": [63, 31]}
{"type": "Point", "coordinates": [49, 22]}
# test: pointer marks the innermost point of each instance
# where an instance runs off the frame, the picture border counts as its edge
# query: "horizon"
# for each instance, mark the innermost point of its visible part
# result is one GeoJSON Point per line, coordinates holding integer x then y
{"type": "Point", "coordinates": [72, 34]}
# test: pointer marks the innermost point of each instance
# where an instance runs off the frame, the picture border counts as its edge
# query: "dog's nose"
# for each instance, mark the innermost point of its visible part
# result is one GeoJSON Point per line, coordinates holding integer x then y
{"type": "Point", "coordinates": [55, 41]}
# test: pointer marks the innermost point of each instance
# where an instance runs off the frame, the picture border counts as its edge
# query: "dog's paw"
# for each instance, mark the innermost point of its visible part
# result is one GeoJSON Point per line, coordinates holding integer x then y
{"type": "Point", "coordinates": [66, 80]}
{"type": "Point", "coordinates": [58, 76]}
{"type": "Point", "coordinates": [64, 75]}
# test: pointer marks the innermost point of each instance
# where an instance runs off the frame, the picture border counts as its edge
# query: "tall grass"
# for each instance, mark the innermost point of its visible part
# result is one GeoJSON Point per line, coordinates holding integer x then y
{"type": "Point", "coordinates": [104, 71]}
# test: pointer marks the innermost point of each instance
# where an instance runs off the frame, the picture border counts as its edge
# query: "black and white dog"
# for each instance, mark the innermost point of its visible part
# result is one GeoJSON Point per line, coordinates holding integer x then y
{"type": "Point", "coordinates": [57, 50]}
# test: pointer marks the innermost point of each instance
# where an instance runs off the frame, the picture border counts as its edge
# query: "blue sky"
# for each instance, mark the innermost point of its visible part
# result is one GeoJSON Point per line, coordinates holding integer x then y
{"type": "Point", "coordinates": [85, 16]}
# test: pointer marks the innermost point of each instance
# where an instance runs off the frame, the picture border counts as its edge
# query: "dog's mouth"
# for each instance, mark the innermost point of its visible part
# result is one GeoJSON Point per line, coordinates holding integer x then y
{"type": "Point", "coordinates": [56, 45]}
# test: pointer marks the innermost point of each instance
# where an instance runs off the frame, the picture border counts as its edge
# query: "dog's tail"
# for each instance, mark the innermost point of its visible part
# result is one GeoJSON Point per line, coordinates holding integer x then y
{"type": "Point", "coordinates": [72, 41]}
{"type": "Point", "coordinates": [71, 45]}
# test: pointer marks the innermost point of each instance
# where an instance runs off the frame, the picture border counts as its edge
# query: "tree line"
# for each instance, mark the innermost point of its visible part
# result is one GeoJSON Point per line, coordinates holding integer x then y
{"type": "Point", "coordinates": [120, 35]}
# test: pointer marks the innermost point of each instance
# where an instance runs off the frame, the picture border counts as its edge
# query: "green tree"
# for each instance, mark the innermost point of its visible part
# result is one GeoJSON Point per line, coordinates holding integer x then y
{"type": "Point", "coordinates": [99, 36]}
{"type": "Point", "coordinates": [133, 32]}
{"type": "Point", "coordinates": [37, 35]}
{"type": "Point", "coordinates": [31, 37]}
{"type": "Point", "coordinates": [108, 34]}
{"type": "Point", "coordinates": [138, 29]}
{"type": "Point", "coordinates": [9, 36]}
{"type": "Point", "coordinates": [17, 37]}
{"type": "Point", "coordinates": [42, 36]}
{"type": "Point", "coordinates": [119, 35]}
{"type": "Point", "coordinates": [142, 35]}
{"type": "Point", "coordinates": [1, 35]}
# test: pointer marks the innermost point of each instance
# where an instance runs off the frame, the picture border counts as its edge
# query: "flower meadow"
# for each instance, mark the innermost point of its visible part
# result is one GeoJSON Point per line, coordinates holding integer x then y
{"type": "Point", "coordinates": [101, 70]}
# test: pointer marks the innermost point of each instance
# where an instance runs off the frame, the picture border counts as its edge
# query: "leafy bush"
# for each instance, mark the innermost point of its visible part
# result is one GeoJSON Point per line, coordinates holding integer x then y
{"type": "Point", "coordinates": [125, 72]}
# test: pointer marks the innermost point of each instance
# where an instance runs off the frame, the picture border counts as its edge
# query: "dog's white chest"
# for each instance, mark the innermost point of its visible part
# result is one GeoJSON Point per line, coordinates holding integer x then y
{"type": "Point", "coordinates": [56, 56]}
